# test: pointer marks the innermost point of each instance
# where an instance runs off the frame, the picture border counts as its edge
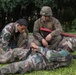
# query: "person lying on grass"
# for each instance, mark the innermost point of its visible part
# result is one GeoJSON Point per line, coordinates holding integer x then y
{"type": "Point", "coordinates": [44, 59]}
{"type": "Point", "coordinates": [67, 43]}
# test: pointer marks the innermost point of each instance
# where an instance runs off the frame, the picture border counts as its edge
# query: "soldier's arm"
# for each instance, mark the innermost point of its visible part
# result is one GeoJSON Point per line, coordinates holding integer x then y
{"type": "Point", "coordinates": [57, 28]}
{"type": "Point", "coordinates": [36, 29]}
{"type": "Point", "coordinates": [25, 42]}
{"type": "Point", "coordinates": [38, 48]}
{"type": "Point", "coordinates": [5, 39]}
{"type": "Point", "coordinates": [27, 39]}
{"type": "Point", "coordinates": [44, 51]}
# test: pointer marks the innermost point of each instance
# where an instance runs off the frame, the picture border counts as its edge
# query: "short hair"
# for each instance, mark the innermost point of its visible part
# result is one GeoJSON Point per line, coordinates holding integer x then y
{"type": "Point", "coordinates": [22, 22]}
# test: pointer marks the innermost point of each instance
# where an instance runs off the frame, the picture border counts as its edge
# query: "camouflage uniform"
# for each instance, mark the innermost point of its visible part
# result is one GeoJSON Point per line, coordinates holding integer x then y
{"type": "Point", "coordinates": [52, 24]}
{"type": "Point", "coordinates": [71, 43]}
{"type": "Point", "coordinates": [19, 53]}
{"type": "Point", "coordinates": [53, 60]}
{"type": "Point", "coordinates": [10, 38]}
{"type": "Point", "coordinates": [13, 55]}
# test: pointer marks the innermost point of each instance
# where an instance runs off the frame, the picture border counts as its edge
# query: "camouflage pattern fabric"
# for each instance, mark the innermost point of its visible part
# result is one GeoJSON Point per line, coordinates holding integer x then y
{"type": "Point", "coordinates": [52, 24]}
{"type": "Point", "coordinates": [46, 11]}
{"type": "Point", "coordinates": [10, 37]}
{"type": "Point", "coordinates": [13, 55]}
{"type": "Point", "coordinates": [37, 61]}
{"type": "Point", "coordinates": [71, 43]}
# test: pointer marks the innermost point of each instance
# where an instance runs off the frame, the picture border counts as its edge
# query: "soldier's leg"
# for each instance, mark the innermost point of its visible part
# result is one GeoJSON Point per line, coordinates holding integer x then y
{"type": "Point", "coordinates": [4, 58]}
{"type": "Point", "coordinates": [19, 53]}
{"type": "Point", "coordinates": [33, 63]}
{"type": "Point", "coordinates": [1, 51]}
{"type": "Point", "coordinates": [12, 55]}
{"type": "Point", "coordinates": [54, 42]}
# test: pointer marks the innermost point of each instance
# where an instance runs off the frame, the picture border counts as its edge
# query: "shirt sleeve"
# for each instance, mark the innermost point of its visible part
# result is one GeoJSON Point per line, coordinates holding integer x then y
{"type": "Point", "coordinates": [5, 39]}
{"type": "Point", "coordinates": [57, 28]}
{"type": "Point", "coordinates": [36, 31]}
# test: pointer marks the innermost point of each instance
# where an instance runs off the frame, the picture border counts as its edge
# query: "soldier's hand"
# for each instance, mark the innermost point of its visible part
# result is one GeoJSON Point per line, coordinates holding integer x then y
{"type": "Point", "coordinates": [64, 43]}
{"type": "Point", "coordinates": [33, 45]}
{"type": "Point", "coordinates": [48, 37]}
{"type": "Point", "coordinates": [44, 42]}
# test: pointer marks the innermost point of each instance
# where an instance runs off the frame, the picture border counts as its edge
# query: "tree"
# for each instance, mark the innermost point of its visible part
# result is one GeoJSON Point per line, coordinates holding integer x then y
{"type": "Point", "coordinates": [12, 10]}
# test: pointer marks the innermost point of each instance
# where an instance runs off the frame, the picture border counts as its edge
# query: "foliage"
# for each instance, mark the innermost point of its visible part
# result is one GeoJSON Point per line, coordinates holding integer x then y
{"type": "Point", "coordinates": [64, 10]}
{"type": "Point", "coordinates": [40, 3]}
{"type": "Point", "coordinates": [9, 5]}
{"type": "Point", "coordinates": [74, 24]}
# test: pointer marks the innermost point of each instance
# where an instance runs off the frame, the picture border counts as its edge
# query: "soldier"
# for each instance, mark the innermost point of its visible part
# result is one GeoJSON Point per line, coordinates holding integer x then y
{"type": "Point", "coordinates": [49, 22]}
{"type": "Point", "coordinates": [43, 59]}
{"type": "Point", "coordinates": [14, 35]}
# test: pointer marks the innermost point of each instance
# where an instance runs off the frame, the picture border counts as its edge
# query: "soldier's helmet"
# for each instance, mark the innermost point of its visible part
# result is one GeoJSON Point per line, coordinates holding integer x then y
{"type": "Point", "coordinates": [46, 11]}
